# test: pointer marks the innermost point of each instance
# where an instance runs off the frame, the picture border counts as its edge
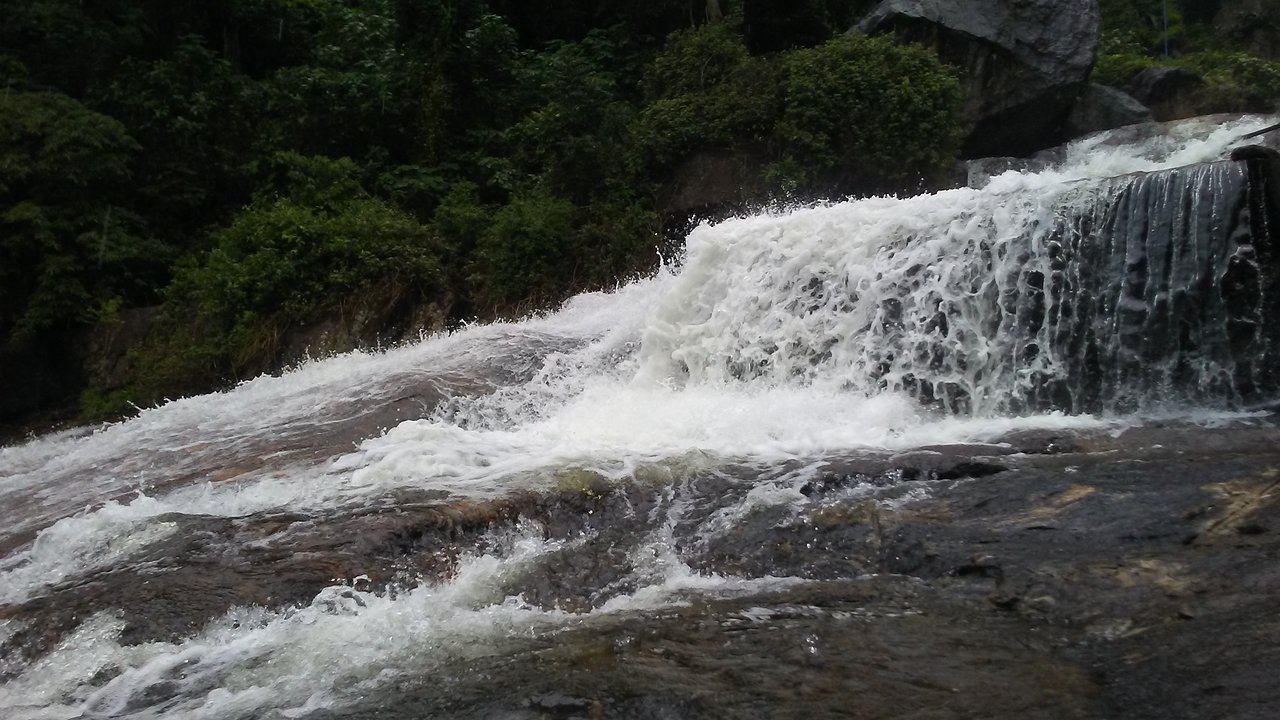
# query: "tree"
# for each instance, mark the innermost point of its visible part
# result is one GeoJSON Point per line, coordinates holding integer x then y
{"type": "Point", "coordinates": [311, 242]}
{"type": "Point", "coordinates": [67, 243]}
{"type": "Point", "coordinates": [704, 90]}
{"type": "Point", "coordinates": [869, 114]}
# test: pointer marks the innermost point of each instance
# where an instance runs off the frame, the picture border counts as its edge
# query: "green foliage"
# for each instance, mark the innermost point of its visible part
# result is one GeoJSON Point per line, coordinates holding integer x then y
{"type": "Point", "coordinates": [705, 90]}
{"type": "Point", "coordinates": [1133, 40]}
{"type": "Point", "coordinates": [68, 44]}
{"type": "Point", "coordinates": [1232, 77]}
{"type": "Point", "coordinates": [98, 405]}
{"type": "Point", "coordinates": [573, 134]}
{"type": "Point", "coordinates": [13, 74]}
{"type": "Point", "coordinates": [1117, 69]}
{"type": "Point", "coordinates": [1238, 74]}
{"type": "Point", "coordinates": [311, 244]}
{"type": "Point", "coordinates": [65, 243]}
{"type": "Point", "coordinates": [289, 259]}
{"type": "Point", "coordinates": [885, 111]}
{"type": "Point", "coordinates": [539, 247]}
{"type": "Point", "coordinates": [354, 95]}
{"type": "Point", "coordinates": [1139, 25]}
{"type": "Point", "coordinates": [526, 253]}
{"type": "Point", "coordinates": [615, 239]}
{"type": "Point", "coordinates": [310, 181]}
{"type": "Point", "coordinates": [461, 218]}
{"type": "Point", "coordinates": [191, 115]}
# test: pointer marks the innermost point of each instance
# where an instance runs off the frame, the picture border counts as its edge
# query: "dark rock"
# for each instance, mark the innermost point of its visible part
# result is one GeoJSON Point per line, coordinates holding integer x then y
{"type": "Point", "coordinates": [108, 363]}
{"type": "Point", "coordinates": [713, 180]}
{"type": "Point", "coordinates": [1023, 62]}
{"type": "Point", "coordinates": [1254, 152]}
{"type": "Point", "coordinates": [1170, 92]}
{"type": "Point", "coordinates": [920, 593]}
{"type": "Point", "coordinates": [559, 702]}
{"type": "Point", "coordinates": [1102, 108]}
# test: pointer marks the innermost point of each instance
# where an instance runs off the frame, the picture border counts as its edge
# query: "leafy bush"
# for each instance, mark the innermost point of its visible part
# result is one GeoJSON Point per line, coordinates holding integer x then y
{"type": "Point", "coordinates": [539, 247]}
{"type": "Point", "coordinates": [526, 254]}
{"type": "Point", "coordinates": [1232, 78]}
{"type": "Point", "coordinates": [1139, 25]}
{"type": "Point", "coordinates": [194, 119]}
{"type": "Point", "coordinates": [1237, 73]}
{"type": "Point", "coordinates": [1133, 40]}
{"type": "Point", "coordinates": [571, 136]}
{"type": "Point", "coordinates": [66, 245]}
{"type": "Point", "coordinates": [886, 113]}
{"type": "Point", "coordinates": [705, 90]}
{"type": "Point", "coordinates": [1117, 69]}
{"type": "Point", "coordinates": [282, 263]}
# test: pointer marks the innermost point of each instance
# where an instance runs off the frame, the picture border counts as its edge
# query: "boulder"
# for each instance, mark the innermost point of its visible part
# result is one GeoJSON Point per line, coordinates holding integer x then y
{"type": "Point", "coordinates": [1102, 107]}
{"type": "Point", "coordinates": [1171, 93]}
{"type": "Point", "coordinates": [1255, 152]}
{"type": "Point", "coordinates": [1253, 24]}
{"type": "Point", "coordinates": [1023, 63]}
{"type": "Point", "coordinates": [1174, 93]}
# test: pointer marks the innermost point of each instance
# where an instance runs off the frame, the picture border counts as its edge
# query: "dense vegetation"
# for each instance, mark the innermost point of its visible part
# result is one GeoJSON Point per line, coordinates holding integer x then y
{"type": "Point", "coordinates": [1139, 34]}
{"type": "Point", "coordinates": [253, 168]}
{"type": "Point", "coordinates": [190, 192]}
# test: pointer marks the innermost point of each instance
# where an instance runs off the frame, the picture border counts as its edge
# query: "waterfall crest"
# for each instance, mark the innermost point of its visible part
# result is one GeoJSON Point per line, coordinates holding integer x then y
{"type": "Point", "coordinates": [1114, 295]}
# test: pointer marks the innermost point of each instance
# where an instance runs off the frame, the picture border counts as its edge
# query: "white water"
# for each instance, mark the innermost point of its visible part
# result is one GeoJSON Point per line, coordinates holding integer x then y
{"type": "Point", "coordinates": [757, 348]}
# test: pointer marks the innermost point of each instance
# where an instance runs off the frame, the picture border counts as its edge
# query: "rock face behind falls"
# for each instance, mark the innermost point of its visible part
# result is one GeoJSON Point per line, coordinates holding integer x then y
{"type": "Point", "coordinates": [1167, 289]}
{"type": "Point", "coordinates": [1150, 290]}
{"type": "Point", "coordinates": [1023, 63]}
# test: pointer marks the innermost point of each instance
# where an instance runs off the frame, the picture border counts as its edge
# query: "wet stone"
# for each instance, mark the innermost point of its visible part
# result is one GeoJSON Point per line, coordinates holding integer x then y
{"type": "Point", "coordinates": [1059, 585]}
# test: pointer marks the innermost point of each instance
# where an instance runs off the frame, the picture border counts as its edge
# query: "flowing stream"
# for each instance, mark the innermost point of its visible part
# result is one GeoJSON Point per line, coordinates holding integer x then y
{"type": "Point", "coordinates": [396, 524]}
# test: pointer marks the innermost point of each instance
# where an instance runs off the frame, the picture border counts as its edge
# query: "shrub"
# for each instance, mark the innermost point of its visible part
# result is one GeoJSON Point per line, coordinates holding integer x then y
{"type": "Point", "coordinates": [1233, 78]}
{"type": "Point", "coordinates": [66, 244]}
{"type": "Point", "coordinates": [284, 262]}
{"type": "Point", "coordinates": [526, 253]}
{"type": "Point", "coordinates": [576, 119]}
{"type": "Point", "coordinates": [704, 90]}
{"type": "Point", "coordinates": [1237, 73]}
{"type": "Point", "coordinates": [886, 113]}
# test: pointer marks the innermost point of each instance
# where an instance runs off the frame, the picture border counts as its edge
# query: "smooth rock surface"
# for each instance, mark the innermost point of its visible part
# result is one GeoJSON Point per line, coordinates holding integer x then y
{"type": "Point", "coordinates": [1130, 574]}
{"type": "Point", "coordinates": [1102, 107]}
{"type": "Point", "coordinates": [1171, 93]}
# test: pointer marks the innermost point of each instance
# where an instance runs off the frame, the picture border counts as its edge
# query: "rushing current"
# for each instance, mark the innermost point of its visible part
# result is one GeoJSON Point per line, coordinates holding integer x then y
{"type": "Point", "coordinates": [1117, 284]}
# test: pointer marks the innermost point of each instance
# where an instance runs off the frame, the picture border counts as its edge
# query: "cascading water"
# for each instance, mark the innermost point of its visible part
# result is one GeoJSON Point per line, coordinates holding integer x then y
{"type": "Point", "coordinates": [1111, 295]}
{"type": "Point", "coordinates": [1128, 280]}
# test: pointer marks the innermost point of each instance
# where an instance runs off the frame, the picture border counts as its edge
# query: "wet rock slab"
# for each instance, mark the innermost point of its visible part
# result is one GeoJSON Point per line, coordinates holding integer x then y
{"type": "Point", "coordinates": [1129, 576]}
{"type": "Point", "coordinates": [1123, 575]}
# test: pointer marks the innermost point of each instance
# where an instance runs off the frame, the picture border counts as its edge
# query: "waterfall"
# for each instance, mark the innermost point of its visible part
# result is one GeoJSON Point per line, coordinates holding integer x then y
{"type": "Point", "coordinates": [1128, 279]}
{"type": "Point", "coordinates": [1112, 295]}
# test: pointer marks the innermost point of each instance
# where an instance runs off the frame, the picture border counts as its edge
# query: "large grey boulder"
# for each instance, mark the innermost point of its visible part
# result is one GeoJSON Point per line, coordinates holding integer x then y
{"type": "Point", "coordinates": [1171, 93]}
{"type": "Point", "coordinates": [1023, 62]}
{"type": "Point", "coordinates": [1102, 107]}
